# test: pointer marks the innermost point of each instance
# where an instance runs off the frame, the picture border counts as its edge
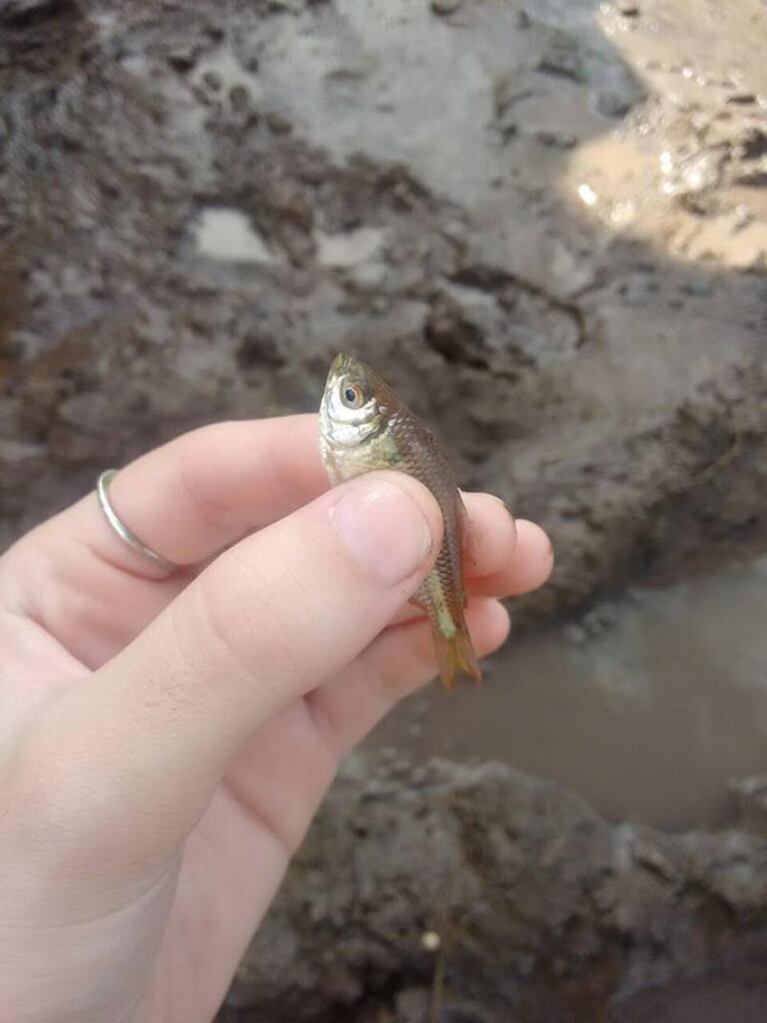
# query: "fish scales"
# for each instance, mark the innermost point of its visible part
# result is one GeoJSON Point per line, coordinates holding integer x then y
{"type": "Point", "coordinates": [365, 426]}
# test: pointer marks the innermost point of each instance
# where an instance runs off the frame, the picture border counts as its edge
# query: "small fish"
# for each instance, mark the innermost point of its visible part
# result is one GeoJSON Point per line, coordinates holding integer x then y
{"type": "Point", "coordinates": [365, 426]}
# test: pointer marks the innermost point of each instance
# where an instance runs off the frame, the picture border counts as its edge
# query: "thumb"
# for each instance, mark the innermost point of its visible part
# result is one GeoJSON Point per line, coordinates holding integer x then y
{"type": "Point", "coordinates": [270, 619]}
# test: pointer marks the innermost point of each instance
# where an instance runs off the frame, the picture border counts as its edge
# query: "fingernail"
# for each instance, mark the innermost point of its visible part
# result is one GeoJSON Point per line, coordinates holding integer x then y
{"type": "Point", "coordinates": [384, 529]}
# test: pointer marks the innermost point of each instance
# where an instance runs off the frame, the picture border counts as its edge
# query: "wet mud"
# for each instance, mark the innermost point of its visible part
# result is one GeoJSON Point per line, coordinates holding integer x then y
{"type": "Point", "coordinates": [480, 893]}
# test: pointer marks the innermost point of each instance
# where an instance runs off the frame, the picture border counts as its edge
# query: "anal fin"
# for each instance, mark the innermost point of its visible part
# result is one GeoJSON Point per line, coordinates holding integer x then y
{"type": "Point", "coordinates": [456, 656]}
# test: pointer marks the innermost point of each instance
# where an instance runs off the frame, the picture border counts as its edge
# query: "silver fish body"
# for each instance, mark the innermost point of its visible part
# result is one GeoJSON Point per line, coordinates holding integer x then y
{"type": "Point", "coordinates": [365, 426]}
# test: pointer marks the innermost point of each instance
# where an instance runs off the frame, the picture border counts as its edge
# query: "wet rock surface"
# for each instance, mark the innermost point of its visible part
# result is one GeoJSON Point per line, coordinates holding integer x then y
{"type": "Point", "coordinates": [546, 221]}
{"type": "Point", "coordinates": [482, 893]}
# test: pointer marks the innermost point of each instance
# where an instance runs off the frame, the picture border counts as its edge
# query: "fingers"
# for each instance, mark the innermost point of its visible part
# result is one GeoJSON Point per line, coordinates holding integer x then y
{"type": "Point", "coordinates": [331, 719]}
{"type": "Point", "coordinates": [397, 662]}
{"type": "Point", "coordinates": [270, 619]}
{"type": "Point", "coordinates": [502, 558]}
{"type": "Point", "coordinates": [186, 500]}
{"type": "Point", "coordinates": [489, 534]}
{"type": "Point", "coordinates": [511, 572]}
{"type": "Point", "coordinates": [205, 490]}
{"type": "Point", "coordinates": [192, 497]}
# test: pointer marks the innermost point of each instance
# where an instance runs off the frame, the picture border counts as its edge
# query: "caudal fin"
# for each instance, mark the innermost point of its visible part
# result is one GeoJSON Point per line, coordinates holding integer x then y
{"type": "Point", "coordinates": [456, 656]}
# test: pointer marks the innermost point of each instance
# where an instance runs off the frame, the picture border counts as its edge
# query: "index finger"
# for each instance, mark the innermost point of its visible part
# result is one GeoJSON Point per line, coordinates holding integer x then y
{"type": "Point", "coordinates": [200, 492]}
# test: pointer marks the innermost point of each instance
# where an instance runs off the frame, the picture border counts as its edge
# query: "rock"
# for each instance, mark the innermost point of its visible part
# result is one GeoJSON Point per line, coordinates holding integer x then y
{"type": "Point", "coordinates": [499, 860]}
{"type": "Point", "coordinates": [696, 173]}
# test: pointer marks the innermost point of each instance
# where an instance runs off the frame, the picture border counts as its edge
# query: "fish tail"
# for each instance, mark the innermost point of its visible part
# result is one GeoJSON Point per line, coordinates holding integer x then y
{"type": "Point", "coordinates": [455, 654]}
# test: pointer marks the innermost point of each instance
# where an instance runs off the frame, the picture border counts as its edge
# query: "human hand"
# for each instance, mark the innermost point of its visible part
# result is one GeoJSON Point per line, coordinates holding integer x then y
{"type": "Point", "coordinates": [166, 738]}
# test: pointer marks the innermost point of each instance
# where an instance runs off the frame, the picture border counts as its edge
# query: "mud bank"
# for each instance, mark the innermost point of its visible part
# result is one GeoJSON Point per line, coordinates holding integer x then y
{"type": "Point", "coordinates": [542, 911]}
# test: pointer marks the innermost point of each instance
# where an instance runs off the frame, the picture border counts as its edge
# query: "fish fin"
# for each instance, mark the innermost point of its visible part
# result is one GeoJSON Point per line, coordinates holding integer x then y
{"type": "Point", "coordinates": [456, 655]}
{"type": "Point", "coordinates": [422, 598]}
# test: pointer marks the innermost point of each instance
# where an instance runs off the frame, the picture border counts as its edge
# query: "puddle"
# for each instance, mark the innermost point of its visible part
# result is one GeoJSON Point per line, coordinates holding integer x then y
{"type": "Point", "coordinates": [635, 184]}
{"type": "Point", "coordinates": [648, 711]}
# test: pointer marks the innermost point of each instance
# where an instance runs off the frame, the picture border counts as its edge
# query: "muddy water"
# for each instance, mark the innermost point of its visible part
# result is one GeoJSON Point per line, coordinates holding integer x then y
{"type": "Point", "coordinates": [647, 707]}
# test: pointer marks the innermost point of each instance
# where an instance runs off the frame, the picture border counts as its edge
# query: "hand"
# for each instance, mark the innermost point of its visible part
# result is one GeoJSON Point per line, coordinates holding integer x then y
{"type": "Point", "coordinates": [166, 739]}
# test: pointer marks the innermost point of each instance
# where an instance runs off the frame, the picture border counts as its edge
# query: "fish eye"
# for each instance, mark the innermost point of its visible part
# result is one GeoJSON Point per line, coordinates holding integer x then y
{"type": "Point", "coordinates": [352, 396]}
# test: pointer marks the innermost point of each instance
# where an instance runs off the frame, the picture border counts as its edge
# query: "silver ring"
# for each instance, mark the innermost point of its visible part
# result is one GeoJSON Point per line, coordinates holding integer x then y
{"type": "Point", "coordinates": [117, 524]}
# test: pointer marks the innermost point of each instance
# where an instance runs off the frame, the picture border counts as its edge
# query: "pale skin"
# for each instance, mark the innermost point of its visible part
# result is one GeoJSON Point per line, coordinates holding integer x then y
{"type": "Point", "coordinates": [166, 739]}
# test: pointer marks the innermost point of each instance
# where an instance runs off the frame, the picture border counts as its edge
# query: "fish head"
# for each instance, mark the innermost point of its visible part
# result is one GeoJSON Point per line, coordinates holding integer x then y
{"type": "Point", "coordinates": [355, 405]}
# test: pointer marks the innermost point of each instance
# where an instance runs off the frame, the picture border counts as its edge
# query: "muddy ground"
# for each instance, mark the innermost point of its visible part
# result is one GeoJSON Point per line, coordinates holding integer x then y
{"type": "Point", "coordinates": [478, 894]}
{"type": "Point", "coordinates": [547, 221]}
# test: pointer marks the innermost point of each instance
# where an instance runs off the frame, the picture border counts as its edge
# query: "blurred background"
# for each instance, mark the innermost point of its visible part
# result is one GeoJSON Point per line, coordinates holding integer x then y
{"type": "Point", "coordinates": [545, 223]}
